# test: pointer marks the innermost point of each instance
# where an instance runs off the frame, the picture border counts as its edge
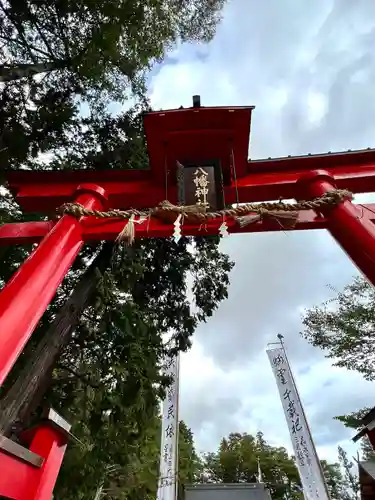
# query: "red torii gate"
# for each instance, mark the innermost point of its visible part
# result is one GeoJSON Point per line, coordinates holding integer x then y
{"type": "Point", "coordinates": [215, 139]}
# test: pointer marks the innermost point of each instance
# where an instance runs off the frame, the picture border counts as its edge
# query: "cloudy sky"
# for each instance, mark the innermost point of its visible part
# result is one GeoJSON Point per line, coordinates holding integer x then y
{"type": "Point", "coordinates": [309, 68]}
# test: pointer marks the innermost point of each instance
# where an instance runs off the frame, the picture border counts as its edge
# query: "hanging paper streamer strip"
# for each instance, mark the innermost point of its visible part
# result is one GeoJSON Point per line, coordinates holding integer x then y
{"type": "Point", "coordinates": [177, 229]}
{"type": "Point", "coordinates": [168, 471]}
{"type": "Point", "coordinates": [309, 469]}
{"type": "Point", "coordinates": [223, 229]}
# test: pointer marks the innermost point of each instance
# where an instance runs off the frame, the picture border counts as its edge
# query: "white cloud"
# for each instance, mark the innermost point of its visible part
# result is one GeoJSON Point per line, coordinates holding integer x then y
{"type": "Point", "coordinates": [309, 69]}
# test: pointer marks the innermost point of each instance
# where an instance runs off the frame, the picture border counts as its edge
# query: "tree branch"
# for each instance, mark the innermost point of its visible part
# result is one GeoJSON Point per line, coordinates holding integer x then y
{"type": "Point", "coordinates": [78, 375]}
{"type": "Point", "coordinates": [20, 30]}
{"type": "Point", "coordinates": [29, 47]}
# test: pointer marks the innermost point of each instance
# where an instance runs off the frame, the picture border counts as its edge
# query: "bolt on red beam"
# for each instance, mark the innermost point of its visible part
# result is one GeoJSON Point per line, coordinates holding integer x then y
{"type": "Point", "coordinates": [26, 296]}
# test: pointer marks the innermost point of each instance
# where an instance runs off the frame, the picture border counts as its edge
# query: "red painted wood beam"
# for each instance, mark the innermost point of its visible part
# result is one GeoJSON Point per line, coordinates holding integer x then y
{"type": "Point", "coordinates": [45, 194]}
{"type": "Point", "coordinates": [30, 473]}
{"type": "Point", "coordinates": [27, 294]}
{"type": "Point", "coordinates": [266, 180]}
{"type": "Point", "coordinates": [108, 229]}
{"type": "Point", "coordinates": [276, 177]}
{"type": "Point", "coordinates": [23, 233]}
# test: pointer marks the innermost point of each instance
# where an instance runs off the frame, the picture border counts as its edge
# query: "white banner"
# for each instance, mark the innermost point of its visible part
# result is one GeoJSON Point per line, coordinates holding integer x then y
{"type": "Point", "coordinates": [167, 488]}
{"type": "Point", "coordinates": [307, 460]}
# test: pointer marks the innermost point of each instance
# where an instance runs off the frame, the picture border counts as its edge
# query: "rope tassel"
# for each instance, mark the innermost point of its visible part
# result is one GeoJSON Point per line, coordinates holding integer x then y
{"type": "Point", "coordinates": [287, 220]}
{"type": "Point", "coordinates": [127, 235]}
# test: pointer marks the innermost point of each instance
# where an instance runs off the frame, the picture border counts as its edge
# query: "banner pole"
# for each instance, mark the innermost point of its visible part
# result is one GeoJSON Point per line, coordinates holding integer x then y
{"type": "Point", "coordinates": [168, 468]}
{"type": "Point", "coordinates": [307, 461]}
{"type": "Point", "coordinates": [177, 425]}
{"type": "Point", "coordinates": [304, 416]}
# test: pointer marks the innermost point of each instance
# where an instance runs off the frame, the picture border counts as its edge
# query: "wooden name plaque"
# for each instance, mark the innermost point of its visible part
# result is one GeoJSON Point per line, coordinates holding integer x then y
{"type": "Point", "coordinates": [200, 185]}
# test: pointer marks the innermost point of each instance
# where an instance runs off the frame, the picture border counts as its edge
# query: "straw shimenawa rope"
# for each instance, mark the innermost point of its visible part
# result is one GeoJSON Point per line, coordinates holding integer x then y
{"type": "Point", "coordinates": [249, 213]}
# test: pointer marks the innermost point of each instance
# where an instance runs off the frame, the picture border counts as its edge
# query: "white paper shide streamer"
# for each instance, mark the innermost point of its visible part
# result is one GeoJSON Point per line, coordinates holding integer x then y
{"type": "Point", "coordinates": [307, 461]}
{"type": "Point", "coordinates": [167, 488]}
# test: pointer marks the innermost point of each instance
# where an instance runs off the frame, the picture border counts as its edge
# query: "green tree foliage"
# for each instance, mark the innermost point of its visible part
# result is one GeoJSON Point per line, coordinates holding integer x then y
{"type": "Point", "coordinates": [43, 128]}
{"type": "Point", "coordinates": [338, 487]}
{"type": "Point", "coordinates": [98, 47]}
{"type": "Point", "coordinates": [333, 477]}
{"type": "Point", "coordinates": [236, 460]}
{"type": "Point", "coordinates": [138, 478]}
{"type": "Point", "coordinates": [99, 51]}
{"type": "Point", "coordinates": [341, 480]}
{"type": "Point", "coordinates": [353, 421]}
{"type": "Point", "coordinates": [351, 484]}
{"type": "Point", "coordinates": [36, 119]}
{"type": "Point", "coordinates": [343, 328]}
{"type": "Point", "coordinates": [190, 465]}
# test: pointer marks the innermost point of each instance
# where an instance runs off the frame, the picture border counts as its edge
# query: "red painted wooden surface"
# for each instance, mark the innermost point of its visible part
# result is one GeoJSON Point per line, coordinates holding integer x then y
{"type": "Point", "coordinates": [26, 296]}
{"type": "Point", "coordinates": [108, 229]}
{"type": "Point", "coordinates": [20, 480]}
{"type": "Point", "coordinates": [266, 180]}
{"type": "Point", "coordinates": [198, 134]}
{"type": "Point", "coordinates": [354, 233]}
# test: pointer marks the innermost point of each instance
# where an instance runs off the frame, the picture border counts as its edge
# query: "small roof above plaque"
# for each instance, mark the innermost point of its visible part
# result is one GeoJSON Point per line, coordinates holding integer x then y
{"type": "Point", "coordinates": [197, 134]}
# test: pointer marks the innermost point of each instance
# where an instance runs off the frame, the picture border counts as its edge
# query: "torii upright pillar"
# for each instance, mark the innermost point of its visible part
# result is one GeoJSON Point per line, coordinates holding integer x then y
{"type": "Point", "coordinates": [27, 295]}
{"type": "Point", "coordinates": [347, 223]}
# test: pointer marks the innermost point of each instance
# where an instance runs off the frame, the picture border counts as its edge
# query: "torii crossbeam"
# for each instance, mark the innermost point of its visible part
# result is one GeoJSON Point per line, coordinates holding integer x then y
{"type": "Point", "coordinates": [211, 142]}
